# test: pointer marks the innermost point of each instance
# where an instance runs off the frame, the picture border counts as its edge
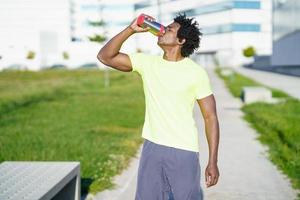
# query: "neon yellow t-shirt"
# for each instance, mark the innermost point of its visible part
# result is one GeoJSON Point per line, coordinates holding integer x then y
{"type": "Point", "coordinates": [171, 89]}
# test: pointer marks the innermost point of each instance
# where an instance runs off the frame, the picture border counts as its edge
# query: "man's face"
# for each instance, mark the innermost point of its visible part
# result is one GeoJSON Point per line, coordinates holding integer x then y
{"type": "Point", "coordinates": [170, 36]}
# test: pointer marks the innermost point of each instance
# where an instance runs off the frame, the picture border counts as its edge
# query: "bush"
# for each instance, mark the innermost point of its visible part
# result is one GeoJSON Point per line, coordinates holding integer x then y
{"type": "Point", "coordinates": [66, 55]}
{"type": "Point", "coordinates": [30, 55]}
{"type": "Point", "coordinates": [249, 52]}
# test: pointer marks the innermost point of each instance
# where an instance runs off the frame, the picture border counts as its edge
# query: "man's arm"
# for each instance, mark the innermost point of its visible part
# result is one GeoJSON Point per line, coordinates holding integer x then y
{"type": "Point", "coordinates": [209, 113]}
{"type": "Point", "coordinates": [110, 55]}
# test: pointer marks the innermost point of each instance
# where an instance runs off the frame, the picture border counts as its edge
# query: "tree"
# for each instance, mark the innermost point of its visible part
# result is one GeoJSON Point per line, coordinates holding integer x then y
{"type": "Point", "coordinates": [97, 37]}
{"type": "Point", "coordinates": [66, 55]}
{"type": "Point", "coordinates": [249, 52]}
{"type": "Point", "coordinates": [97, 23]}
{"type": "Point", "coordinates": [30, 55]}
{"type": "Point", "coordinates": [100, 38]}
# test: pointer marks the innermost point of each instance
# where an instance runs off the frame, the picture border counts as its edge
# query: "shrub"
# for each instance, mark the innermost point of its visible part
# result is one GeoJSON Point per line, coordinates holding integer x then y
{"type": "Point", "coordinates": [249, 52]}
{"type": "Point", "coordinates": [30, 55]}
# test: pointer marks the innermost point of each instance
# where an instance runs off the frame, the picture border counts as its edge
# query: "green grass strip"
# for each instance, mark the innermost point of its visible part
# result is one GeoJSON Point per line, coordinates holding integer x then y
{"type": "Point", "coordinates": [235, 83]}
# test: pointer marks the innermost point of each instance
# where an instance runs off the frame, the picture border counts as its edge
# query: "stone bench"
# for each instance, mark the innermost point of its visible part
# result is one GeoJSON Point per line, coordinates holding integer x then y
{"type": "Point", "coordinates": [254, 94]}
{"type": "Point", "coordinates": [39, 180]}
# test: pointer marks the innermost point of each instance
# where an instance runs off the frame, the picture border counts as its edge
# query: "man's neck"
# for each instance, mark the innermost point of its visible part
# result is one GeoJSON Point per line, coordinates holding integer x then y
{"type": "Point", "coordinates": [173, 55]}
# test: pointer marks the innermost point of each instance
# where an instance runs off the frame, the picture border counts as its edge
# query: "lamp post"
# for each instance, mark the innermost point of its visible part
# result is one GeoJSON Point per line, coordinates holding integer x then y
{"type": "Point", "coordinates": [106, 70]}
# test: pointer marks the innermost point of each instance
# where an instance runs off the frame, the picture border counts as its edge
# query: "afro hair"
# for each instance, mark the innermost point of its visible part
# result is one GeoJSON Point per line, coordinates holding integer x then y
{"type": "Point", "coordinates": [190, 32]}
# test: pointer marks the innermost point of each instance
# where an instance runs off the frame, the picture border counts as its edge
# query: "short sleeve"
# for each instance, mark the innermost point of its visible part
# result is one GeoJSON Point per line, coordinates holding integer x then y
{"type": "Point", "coordinates": [203, 87]}
{"type": "Point", "coordinates": [138, 61]}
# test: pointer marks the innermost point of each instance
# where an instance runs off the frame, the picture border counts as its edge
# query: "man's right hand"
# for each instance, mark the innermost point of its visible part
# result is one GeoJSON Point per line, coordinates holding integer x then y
{"type": "Point", "coordinates": [136, 28]}
{"type": "Point", "coordinates": [110, 54]}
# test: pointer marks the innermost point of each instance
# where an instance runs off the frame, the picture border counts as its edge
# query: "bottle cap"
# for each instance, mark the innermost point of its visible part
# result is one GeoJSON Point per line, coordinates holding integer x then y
{"type": "Point", "coordinates": [162, 30]}
{"type": "Point", "coordinates": [140, 19]}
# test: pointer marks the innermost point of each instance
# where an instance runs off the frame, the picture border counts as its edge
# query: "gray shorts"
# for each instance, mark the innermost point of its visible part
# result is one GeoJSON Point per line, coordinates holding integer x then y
{"type": "Point", "coordinates": [168, 173]}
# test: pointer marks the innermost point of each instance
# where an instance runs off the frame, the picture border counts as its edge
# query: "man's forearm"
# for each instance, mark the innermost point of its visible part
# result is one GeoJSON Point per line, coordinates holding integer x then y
{"type": "Point", "coordinates": [113, 46]}
{"type": "Point", "coordinates": [212, 135]}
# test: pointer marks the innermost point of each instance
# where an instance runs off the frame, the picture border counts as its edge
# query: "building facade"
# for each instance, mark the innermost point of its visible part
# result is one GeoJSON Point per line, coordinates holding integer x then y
{"type": "Point", "coordinates": [50, 28]}
{"type": "Point", "coordinates": [228, 27]}
{"type": "Point", "coordinates": [286, 33]}
{"type": "Point", "coordinates": [115, 16]}
{"type": "Point", "coordinates": [36, 26]}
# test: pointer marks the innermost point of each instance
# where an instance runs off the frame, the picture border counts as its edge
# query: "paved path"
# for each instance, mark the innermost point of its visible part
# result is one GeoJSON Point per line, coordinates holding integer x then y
{"type": "Point", "coordinates": [245, 172]}
{"type": "Point", "coordinates": [288, 84]}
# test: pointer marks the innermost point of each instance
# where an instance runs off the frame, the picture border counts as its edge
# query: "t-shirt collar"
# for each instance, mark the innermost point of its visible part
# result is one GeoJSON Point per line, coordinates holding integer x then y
{"type": "Point", "coordinates": [168, 61]}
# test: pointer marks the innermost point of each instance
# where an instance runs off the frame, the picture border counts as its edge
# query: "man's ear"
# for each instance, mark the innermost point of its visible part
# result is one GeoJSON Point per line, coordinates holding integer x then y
{"type": "Point", "coordinates": [180, 41]}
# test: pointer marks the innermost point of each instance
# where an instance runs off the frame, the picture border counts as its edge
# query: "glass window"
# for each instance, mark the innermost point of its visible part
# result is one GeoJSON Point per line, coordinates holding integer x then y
{"type": "Point", "coordinates": [225, 28]}
{"type": "Point", "coordinates": [247, 4]}
{"type": "Point", "coordinates": [245, 27]}
{"type": "Point", "coordinates": [222, 6]}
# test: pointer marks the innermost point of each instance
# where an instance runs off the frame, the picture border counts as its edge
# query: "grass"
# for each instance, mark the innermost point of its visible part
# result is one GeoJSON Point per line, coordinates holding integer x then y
{"type": "Point", "coordinates": [235, 83]}
{"type": "Point", "coordinates": [278, 125]}
{"type": "Point", "coordinates": [70, 116]}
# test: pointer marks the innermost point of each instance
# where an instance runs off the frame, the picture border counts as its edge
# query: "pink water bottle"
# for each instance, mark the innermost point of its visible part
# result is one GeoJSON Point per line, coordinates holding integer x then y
{"type": "Point", "coordinates": [155, 27]}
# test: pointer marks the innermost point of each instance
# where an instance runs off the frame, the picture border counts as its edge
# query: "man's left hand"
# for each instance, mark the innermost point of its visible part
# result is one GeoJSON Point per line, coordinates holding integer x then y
{"type": "Point", "coordinates": [211, 175]}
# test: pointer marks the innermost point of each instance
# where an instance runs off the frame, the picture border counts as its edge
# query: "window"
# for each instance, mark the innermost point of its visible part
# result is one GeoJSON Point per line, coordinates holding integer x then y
{"type": "Point", "coordinates": [222, 6]}
{"type": "Point", "coordinates": [226, 28]}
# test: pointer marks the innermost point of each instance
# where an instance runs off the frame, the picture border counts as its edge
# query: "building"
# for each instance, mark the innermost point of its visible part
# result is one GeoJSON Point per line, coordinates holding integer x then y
{"type": "Point", "coordinates": [229, 26]}
{"type": "Point", "coordinates": [286, 33]}
{"type": "Point", "coordinates": [115, 16]}
{"type": "Point", "coordinates": [50, 28]}
{"type": "Point", "coordinates": [37, 26]}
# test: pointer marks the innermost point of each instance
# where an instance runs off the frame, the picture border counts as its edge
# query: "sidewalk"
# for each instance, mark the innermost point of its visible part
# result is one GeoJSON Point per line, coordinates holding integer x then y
{"type": "Point", "coordinates": [288, 84]}
{"type": "Point", "coordinates": [245, 172]}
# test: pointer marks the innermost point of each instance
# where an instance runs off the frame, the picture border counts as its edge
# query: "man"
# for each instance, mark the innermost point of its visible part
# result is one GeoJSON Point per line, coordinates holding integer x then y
{"type": "Point", "coordinates": [169, 164]}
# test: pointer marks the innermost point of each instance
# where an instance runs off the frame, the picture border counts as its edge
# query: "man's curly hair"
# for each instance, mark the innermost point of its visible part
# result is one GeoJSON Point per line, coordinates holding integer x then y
{"type": "Point", "coordinates": [190, 32]}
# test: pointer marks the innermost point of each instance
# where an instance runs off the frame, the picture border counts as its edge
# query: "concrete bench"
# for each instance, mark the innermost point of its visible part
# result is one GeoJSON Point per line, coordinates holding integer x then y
{"type": "Point", "coordinates": [39, 180]}
{"type": "Point", "coordinates": [254, 94]}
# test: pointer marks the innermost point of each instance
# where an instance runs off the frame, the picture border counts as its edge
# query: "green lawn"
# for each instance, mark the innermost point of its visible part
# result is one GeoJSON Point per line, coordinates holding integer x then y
{"type": "Point", "coordinates": [235, 82]}
{"type": "Point", "coordinates": [70, 116]}
{"type": "Point", "coordinates": [278, 125]}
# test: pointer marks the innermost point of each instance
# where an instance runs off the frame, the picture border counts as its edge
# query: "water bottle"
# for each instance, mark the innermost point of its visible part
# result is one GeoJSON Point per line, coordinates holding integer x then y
{"type": "Point", "coordinates": [155, 28]}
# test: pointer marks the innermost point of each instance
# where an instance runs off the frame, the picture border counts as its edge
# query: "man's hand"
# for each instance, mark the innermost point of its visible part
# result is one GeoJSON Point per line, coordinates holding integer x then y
{"type": "Point", "coordinates": [211, 175]}
{"type": "Point", "coordinates": [137, 29]}
{"type": "Point", "coordinates": [209, 113]}
{"type": "Point", "coordinates": [110, 54]}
